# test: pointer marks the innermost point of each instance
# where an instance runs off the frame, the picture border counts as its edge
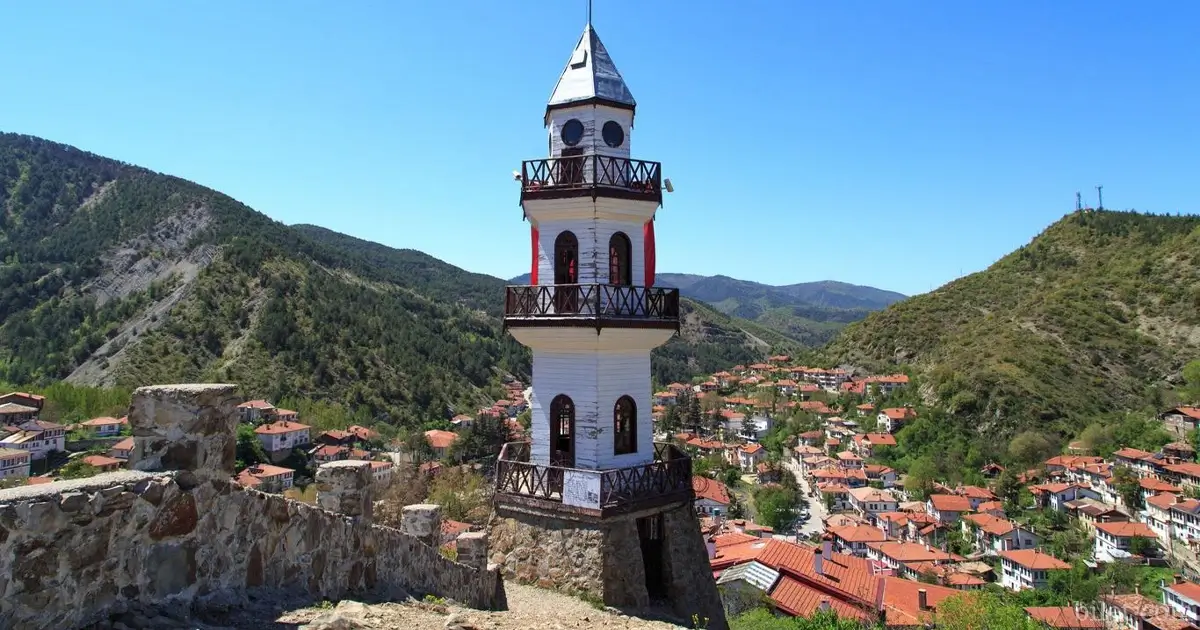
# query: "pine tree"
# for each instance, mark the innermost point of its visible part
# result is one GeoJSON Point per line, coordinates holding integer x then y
{"type": "Point", "coordinates": [694, 418]}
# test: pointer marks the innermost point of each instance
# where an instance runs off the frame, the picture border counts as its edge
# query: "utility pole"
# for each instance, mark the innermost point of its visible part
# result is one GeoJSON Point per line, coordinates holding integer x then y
{"type": "Point", "coordinates": [1100, 197]}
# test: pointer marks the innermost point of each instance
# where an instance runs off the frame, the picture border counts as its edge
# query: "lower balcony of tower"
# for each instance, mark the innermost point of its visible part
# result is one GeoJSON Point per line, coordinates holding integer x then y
{"type": "Point", "coordinates": [591, 316]}
{"type": "Point", "coordinates": [523, 486]}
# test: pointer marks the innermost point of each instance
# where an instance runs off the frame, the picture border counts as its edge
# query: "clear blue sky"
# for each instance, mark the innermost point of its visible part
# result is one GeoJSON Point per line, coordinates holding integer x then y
{"type": "Point", "coordinates": [895, 144]}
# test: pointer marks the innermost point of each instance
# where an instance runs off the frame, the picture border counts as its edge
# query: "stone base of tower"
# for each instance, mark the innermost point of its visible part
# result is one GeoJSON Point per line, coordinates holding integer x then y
{"type": "Point", "coordinates": [649, 562]}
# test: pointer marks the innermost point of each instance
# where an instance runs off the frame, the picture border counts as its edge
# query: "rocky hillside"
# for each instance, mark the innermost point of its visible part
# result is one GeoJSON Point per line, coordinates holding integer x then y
{"type": "Point", "coordinates": [114, 274]}
{"type": "Point", "coordinates": [1098, 313]}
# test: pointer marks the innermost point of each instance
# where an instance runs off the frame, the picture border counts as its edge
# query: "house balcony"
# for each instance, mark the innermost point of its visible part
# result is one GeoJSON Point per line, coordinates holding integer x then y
{"type": "Point", "coordinates": [521, 484]}
{"type": "Point", "coordinates": [591, 305]}
{"type": "Point", "coordinates": [591, 176]}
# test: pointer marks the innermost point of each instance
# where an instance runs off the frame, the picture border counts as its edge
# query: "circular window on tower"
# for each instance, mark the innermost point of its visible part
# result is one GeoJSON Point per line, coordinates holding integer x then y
{"type": "Point", "coordinates": [572, 132]}
{"type": "Point", "coordinates": [614, 136]}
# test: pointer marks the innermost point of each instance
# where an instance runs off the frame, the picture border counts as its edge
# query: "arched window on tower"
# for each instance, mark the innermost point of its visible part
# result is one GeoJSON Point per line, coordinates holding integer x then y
{"type": "Point", "coordinates": [620, 259]}
{"type": "Point", "coordinates": [562, 431]}
{"type": "Point", "coordinates": [624, 426]}
{"type": "Point", "coordinates": [566, 271]}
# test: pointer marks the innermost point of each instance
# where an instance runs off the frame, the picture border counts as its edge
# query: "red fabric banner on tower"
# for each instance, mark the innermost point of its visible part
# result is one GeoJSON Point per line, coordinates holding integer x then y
{"type": "Point", "coordinates": [648, 244]}
{"type": "Point", "coordinates": [533, 231]}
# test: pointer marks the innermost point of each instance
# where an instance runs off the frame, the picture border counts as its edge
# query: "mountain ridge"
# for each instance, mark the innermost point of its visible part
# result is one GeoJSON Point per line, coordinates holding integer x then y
{"type": "Point", "coordinates": [809, 313]}
{"type": "Point", "coordinates": [115, 274]}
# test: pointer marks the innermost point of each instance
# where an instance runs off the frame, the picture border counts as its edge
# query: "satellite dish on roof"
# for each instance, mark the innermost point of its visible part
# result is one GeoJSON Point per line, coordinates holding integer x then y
{"type": "Point", "coordinates": [667, 184]}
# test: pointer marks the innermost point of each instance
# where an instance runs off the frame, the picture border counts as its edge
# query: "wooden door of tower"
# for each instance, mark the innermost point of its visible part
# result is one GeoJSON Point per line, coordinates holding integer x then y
{"type": "Point", "coordinates": [650, 534]}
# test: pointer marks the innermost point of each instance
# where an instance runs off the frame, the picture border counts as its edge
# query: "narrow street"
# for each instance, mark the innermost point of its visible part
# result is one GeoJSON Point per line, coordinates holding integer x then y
{"type": "Point", "coordinates": [816, 507]}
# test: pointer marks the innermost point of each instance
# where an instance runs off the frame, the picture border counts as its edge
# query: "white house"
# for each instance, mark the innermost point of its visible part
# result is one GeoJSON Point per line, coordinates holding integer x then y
{"type": "Point", "coordinates": [735, 424]}
{"type": "Point", "coordinates": [853, 539]}
{"type": "Point", "coordinates": [885, 475]}
{"type": "Point", "coordinates": [947, 508]}
{"type": "Point", "coordinates": [890, 420]}
{"type": "Point", "coordinates": [255, 411]}
{"type": "Point", "coordinates": [712, 497]}
{"type": "Point", "coordinates": [266, 478]}
{"type": "Point", "coordinates": [282, 435]}
{"type": "Point", "coordinates": [381, 472]}
{"type": "Point", "coordinates": [872, 501]}
{"type": "Point", "coordinates": [1056, 495]}
{"type": "Point", "coordinates": [13, 463]}
{"type": "Point", "coordinates": [993, 535]}
{"type": "Point", "coordinates": [1028, 568]}
{"type": "Point", "coordinates": [38, 437]}
{"type": "Point", "coordinates": [1185, 520]}
{"type": "Point", "coordinates": [1184, 600]}
{"type": "Point", "coordinates": [104, 427]}
{"type": "Point", "coordinates": [750, 456]}
{"type": "Point", "coordinates": [1114, 540]}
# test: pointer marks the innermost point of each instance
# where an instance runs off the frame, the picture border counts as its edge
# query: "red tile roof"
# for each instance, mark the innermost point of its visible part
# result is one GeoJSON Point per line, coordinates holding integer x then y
{"type": "Point", "coordinates": [900, 601]}
{"type": "Point", "coordinates": [256, 404]}
{"type": "Point", "coordinates": [975, 492]}
{"type": "Point", "coordinates": [103, 421]}
{"type": "Point", "coordinates": [859, 533]}
{"type": "Point", "coordinates": [1191, 412]}
{"type": "Point", "coordinates": [1127, 529]}
{"type": "Point", "coordinates": [1131, 453]}
{"type": "Point", "coordinates": [800, 600]}
{"type": "Point", "coordinates": [710, 489]}
{"type": "Point", "coordinates": [102, 461]}
{"type": "Point", "coordinates": [911, 552]}
{"type": "Point", "coordinates": [1065, 617]}
{"type": "Point", "coordinates": [1190, 590]}
{"type": "Point", "coordinates": [876, 439]}
{"type": "Point", "coordinates": [281, 426]}
{"type": "Point", "coordinates": [123, 445]}
{"type": "Point", "coordinates": [899, 413]}
{"type": "Point", "coordinates": [950, 503]}
{"type": "Point", "coordinates": [1034, 559]}
{"type": "Point", "coordinates": [440, 439]}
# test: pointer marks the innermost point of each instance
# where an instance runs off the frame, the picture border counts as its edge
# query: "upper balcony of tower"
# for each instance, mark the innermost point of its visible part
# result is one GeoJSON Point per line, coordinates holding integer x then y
{"type": "Point", "coordinates": [589, 118]}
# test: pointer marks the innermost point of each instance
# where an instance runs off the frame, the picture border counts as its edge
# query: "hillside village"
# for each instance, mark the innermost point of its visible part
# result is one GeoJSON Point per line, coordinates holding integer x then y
{"type": "Point", "coordinates": [795, 496]}
{"type": "Point", "coordinates": [1078, 541]}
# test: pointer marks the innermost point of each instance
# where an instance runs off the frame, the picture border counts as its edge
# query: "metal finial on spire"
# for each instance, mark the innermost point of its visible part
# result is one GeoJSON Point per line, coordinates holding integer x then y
{"type": "Point", "coordinates": [589, 12]}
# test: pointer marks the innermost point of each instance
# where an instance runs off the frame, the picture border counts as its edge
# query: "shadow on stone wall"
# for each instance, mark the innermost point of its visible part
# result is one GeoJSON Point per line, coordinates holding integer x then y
{"type": "Point", "coordinates": [74, 552]}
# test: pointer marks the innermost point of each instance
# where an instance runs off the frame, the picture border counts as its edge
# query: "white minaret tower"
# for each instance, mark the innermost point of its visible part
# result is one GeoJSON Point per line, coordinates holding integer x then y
{"type": "Point", "coordinates": [591, 314]}
{"type": "Point", "coordinates": [591, 503]}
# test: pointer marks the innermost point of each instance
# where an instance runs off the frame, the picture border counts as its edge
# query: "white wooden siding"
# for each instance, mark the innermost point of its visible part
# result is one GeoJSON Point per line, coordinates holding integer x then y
{"type": "Point", "coordinates": [573, 374]}
{"type": "Point", "coordinates": [624, 374]}
{"type": "Point", "coordinates": [593, 118]}
{"type": "Point", "coordinates": [593, 235]}
{"type": "Point", "coordinates": [594, 381]}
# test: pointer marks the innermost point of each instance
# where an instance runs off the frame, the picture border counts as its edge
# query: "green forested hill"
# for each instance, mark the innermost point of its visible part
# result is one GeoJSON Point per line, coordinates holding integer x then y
{"type": "Point", "coordinates": [113, 274]}
{"type": "Point", "coordinates": [1097, 314]}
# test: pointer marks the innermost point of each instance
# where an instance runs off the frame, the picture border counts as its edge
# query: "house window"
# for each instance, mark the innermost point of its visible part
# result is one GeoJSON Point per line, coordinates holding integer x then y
{"type": "Point", "coordinates": [624, 426]}
{"type": "Point", "coordinates": [619, 260]}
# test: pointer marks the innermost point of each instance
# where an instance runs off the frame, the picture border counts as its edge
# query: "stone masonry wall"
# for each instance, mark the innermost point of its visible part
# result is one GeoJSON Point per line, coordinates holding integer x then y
{"type": "Point", "coordinates": [72, 552]}
{"type": "Point", "coordinates": [603, 560]}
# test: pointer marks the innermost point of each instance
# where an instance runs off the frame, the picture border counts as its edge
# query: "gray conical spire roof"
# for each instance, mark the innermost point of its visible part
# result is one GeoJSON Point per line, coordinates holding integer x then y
{"type": "Point", "coordinates": [590, 75]}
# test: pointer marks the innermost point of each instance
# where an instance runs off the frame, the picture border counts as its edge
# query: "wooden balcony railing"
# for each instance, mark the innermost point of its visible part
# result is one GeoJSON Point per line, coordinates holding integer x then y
{"type": "Point", "coordinates": [591, 305]}
{"type": "Point", "coordinates": [596, 492]}
{"type": "Point", "coordinates": [592, 174]}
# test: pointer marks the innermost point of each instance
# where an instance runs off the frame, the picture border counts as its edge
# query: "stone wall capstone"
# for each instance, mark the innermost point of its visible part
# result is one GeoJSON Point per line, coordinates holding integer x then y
{"type": "Point", "coordinates": [424, 522]}
{"type": "Point", "coordinates": [345, 487]}
{"type": "Point", "coordinates": [189, 427]}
